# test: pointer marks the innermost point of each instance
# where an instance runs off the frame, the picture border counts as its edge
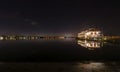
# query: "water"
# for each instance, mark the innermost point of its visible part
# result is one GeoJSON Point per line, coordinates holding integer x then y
{"type": "Point", "coordinates": [67, 55]}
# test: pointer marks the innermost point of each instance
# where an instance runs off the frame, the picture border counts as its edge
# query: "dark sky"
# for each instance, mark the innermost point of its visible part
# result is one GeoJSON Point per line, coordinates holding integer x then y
{"type": "Point", "coordinates": [58, 16]}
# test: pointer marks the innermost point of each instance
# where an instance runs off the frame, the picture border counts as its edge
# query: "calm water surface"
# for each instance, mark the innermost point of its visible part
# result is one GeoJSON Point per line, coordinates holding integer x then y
{"type": "Point", "coordinates": [59, 56]}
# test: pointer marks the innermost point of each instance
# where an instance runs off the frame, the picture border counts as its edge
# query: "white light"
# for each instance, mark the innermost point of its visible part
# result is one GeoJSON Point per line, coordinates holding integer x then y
{"type": "Point", "coordinates": [1, 38]}
{"type": "Point", "coordinates": [88, 33]}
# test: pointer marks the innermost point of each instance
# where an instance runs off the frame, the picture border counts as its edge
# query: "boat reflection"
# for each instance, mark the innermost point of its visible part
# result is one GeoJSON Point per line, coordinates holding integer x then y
{"type": "Point", "coordinates": [91, 45]}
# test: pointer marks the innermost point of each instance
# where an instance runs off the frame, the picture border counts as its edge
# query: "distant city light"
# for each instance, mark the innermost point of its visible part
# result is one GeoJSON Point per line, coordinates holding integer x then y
{"type": "Point", "coordinates": [67, 35]}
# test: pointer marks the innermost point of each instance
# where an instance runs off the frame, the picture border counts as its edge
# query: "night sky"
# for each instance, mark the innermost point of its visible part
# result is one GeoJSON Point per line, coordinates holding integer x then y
{"type": "Point", "coordinates": [58, 16]}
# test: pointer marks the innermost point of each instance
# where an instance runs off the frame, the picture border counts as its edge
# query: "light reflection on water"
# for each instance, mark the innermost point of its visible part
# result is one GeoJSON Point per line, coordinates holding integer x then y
{"type": "Point", "coordinates": [56, 51]}
{"type": "Point", "coordinates": [61, 67]}
{"type": "Point", "coordinates": [98, 67]}
{"type": "Point", "coordinates": [92, 65]}
{"type": "Point", "coordinates": [91, 45]}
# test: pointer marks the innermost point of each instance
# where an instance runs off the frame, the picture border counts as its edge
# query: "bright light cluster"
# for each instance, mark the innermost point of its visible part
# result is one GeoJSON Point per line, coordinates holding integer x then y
{"type": "Point", "coordinates": [92, 34]}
